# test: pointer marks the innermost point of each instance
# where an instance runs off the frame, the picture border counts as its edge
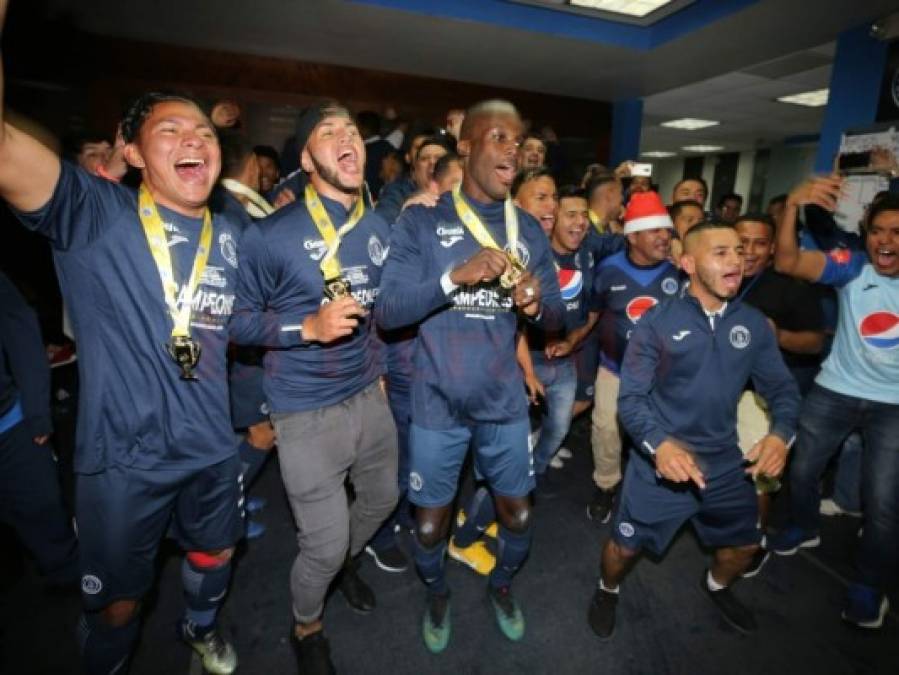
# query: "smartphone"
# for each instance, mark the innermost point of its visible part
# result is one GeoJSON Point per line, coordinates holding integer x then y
{"type": "Point", "coordinates": [641, 169]}
{"type": "Point", "coordinates": [854, 162]}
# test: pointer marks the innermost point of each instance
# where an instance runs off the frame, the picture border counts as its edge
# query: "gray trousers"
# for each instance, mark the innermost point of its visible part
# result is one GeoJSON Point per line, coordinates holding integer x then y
{"type": "Point", "coordinates": [318, 450]}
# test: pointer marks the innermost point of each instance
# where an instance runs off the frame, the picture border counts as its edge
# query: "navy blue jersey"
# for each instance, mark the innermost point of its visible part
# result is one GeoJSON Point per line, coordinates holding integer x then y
{"type": "Point", "coordinates": [465, 367]}
{"type": "Point", "coordinates": [681, 378]}
{"type": "Point", "coordinates": [393, 196]}
{"type": "Point", "coordinates": [622, 292]}
{"type": "Point", "coordinates": [134, 409]}
{"type": "Point", "coordinates": [280, 284]}
{"type": "Point", "coordinates": [574, 272]}
{"type": "Point", "coordinates": [601, 246]}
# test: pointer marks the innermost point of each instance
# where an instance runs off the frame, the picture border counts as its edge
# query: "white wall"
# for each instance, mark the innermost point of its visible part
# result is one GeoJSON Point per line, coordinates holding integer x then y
{"type": "Point", "coordinates": [787, 167]}
{"type": "Point", "coordinates": [665, 174]}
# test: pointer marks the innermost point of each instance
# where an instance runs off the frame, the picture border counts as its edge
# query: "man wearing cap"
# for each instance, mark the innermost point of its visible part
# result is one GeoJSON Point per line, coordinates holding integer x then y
{"type": "Point", "coordinates": [626, 284]}
{"type": "Point", "coordinates": [307, 279]}
{"type": "Point", "coordinates": [468, 270]}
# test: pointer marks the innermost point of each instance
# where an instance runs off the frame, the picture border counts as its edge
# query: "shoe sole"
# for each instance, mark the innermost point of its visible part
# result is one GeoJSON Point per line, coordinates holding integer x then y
{"type": "Point", "coordinates": [752, 573]}
{"type": "Point", "coordinates": [876, 623]}
{"type": "Point", "coordinates": [809, 543]}
{"type": "Point", "coordinates": [381, 566]}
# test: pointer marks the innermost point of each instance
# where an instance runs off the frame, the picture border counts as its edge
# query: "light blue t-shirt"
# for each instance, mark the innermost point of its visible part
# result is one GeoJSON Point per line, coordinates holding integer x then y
{"type": "Point", "coordinates": [864, 360]}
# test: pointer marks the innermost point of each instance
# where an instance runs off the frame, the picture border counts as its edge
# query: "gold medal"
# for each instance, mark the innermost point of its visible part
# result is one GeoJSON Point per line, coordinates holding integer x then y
{"type": "Point", "coordinates": [335, 285]}
{"type": "Point", "coordinates": [510, 279]}
{"type": "Point", "coordinates": [337, 288]}
{"type": "Point", "coordinates": [186, 353]}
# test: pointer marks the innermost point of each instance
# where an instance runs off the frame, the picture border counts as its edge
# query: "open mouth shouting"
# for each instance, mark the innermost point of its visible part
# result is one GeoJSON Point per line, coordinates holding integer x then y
{"type": "Point", "coordinates": [885, 257]}
{"type": "Point", "coordinates": [192, 170]}
{"type": "Point", "coordinates": [506, 173]}
{"type": "Point", "coordinates": [731, 280]}
{"type": "Point", "coordinates": [348, 161]}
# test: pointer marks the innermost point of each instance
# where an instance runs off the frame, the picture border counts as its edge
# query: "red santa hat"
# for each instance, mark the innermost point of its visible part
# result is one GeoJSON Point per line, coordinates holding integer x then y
{"type": "Point", "coordinates": [645, 211]}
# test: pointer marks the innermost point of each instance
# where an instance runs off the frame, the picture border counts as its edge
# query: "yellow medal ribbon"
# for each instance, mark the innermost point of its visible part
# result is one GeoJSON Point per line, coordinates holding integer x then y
{"type": "Point", "coordinates": [158, 242]}
{"type": "Point", "coordinates": [479, 231]}
{"type": "Point", "coordinates": [594, 219]}
{"type": "Point", "coordinates": [330, 264]}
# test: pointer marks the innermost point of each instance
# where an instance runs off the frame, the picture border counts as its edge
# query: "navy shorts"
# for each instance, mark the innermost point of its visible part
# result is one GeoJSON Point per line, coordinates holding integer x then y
{"type": "Point", "coordinates": [123, 513]}
{"type": "Point", "coordinates": [248, 403]}
{"type": "Point", "coordinates": [651, 509]}
{"type": "Point", "coordinates": [501, 456]}
{"type": "Point", "coordinates": [586, 362]}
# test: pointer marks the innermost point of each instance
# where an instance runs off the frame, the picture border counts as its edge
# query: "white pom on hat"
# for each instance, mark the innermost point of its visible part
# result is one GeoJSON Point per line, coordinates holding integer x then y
{"type": "Point", "coordinates": [645, 211]}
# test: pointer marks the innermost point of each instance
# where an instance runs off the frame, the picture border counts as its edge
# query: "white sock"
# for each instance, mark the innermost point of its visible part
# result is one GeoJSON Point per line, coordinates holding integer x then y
{"type": "Point", "coordinates": [712, 584]}
{"type": "Point", "coordinates": [605, 588]}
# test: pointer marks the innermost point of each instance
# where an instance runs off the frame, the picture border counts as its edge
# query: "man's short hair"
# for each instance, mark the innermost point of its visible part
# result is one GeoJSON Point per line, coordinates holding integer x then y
{"type": "Point", "coordinates": [141, 107]}
{"type": "Point", "coordinates": [236, 150]}
{"type": "Point", "coordinates": [677, 207]}
{"type": "Point", "coordinates": [268, 152]}
{"type": "Point", "coordinates": [73, 144]}
{"type": "Point", "coordinates": [571, 191]}
{"type": "Point", "coordinates": [779, 199]}
{"type": "Point", "coordinates": [698, 179]}
{"type": "Point", "coordinates": [730, 196]}
{"type": "Point", "coordinates": [487, 108]}
{"type": "Point", "coordinates": [433, 140]}
{"type": "Point", "coordinates": [757, 217]}
{"type": "Point", "coordinates": [598, 181]}
{"type": "Point", "coordinates": [442, 166]}
{"type": "Point", "coordinates": [527, 175]}
{"type": "Point", "coordinates": [882, 202]}
{"type": "Point", "coordinates": [537, 137]}
{"type": "Point", "coordinates": [706, 226]}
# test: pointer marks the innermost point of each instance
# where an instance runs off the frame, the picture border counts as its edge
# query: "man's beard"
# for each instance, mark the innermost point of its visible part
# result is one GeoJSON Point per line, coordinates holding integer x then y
{"type": "Point", "coordinates": [331, 177]}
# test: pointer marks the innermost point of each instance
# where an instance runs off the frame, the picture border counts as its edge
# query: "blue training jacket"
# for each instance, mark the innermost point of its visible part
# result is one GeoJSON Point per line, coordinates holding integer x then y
{"type": "Point", "coordinates": [682, 379]}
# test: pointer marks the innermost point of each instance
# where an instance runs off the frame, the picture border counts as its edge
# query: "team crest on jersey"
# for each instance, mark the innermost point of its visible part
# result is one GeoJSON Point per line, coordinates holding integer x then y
{"type": "Point", "coordinates": [626, 529]}
{"type": "Point", "coordinates": [415, 481]}
{"type": "Point", "coordinates": [376, 250]}
{"type": "Point", "coordinates": [521, 252]}
{"type": "Point", "coordinates": [316, 247]}
{"type": "Point", "coordinates": [228, 248]}
{"type": "Point", "coordinates": [669, 285]}
{"type": "Point", "coordinates": [637, 307]}
{"type": "Point", "coordinates": [90, 584]}
{"type": "Point", "coordinates": [739, 337]}
{"type": "Point", "coordinates": [571, 283]}
{"type": "Point", "coordinates": [880, 330]}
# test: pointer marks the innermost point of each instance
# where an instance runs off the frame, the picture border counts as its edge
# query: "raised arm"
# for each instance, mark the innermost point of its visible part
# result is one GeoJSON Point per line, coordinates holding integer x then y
{"type": "Point", "coordinates": [788, 259]}
{"type": "Point", "coordinates": [28, 169]}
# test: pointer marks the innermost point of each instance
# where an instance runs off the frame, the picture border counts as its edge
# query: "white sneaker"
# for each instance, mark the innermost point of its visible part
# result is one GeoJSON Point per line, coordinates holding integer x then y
{"type": "Point", "coordinates": [830, 508]}
{"type": "Point", "coordinates": [564, 453]}
{"type": "Point", "coordinates": [556, 462]}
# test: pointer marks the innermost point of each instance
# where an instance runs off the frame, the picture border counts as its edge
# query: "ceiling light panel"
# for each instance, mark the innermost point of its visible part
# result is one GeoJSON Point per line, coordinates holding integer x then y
{"type": "Point", "coordinates": [689, 124]}
{"type": "Point", "coordinates": [703, 148]}
{"type": "Point", "coordinates": [658, 154]}
{"type": "Point", "coordinates": [638, 8]}
{"type": "Point", "coordinates": [809, 99]}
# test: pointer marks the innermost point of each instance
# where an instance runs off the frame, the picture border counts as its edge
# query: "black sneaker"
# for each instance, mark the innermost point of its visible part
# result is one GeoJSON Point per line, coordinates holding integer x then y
{"type": "Point", "coordinates": [601, 614]}
{"type": "Point", "coordinates": [547, 487]}
{"type": "Point", "coordinates": [600, 509]}
{"type": "Point", "coordinates": [314, 654]}
{"type": "Point", "coordinates": [358, 594]}
{"type": "Point", "coordinates": [733, 611]}
{"type": "Point", "coordinates": [758, 562]}
{"type": "Point", "coordinates": [390, 559]}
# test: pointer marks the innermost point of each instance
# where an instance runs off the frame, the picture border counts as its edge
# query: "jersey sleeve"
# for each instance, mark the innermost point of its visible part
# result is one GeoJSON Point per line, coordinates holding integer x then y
{"type": "Point", "coordinates": [638, 374]}
{"type": "Point", "coordinates": [83, 207]}
{"type": "Point", "coordinates": [407, 294]}
{"type": "Point", "coordinates": [842, 266]}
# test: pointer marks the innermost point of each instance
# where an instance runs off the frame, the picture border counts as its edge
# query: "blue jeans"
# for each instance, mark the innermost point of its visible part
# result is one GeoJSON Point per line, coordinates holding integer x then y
{"type": "Point", "coordinates": [847, 480]}
{"type": "Point", "coordinates": [559, 379]}
{"type": "Point", "coordinates": [827, 419]}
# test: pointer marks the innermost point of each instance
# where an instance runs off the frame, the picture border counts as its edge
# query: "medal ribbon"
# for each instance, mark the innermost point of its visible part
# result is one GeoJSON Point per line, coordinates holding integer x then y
{"type": "Point", "coordinates": [477, 228]}
{"type": "Point", "coordinates": [594, 219]}
{"type": "Point", "coordinates": [258, 207]}
{"type": "Point", "coordinates": [330, 264]}
{"type": "Point", "coordinates": [156, 239]}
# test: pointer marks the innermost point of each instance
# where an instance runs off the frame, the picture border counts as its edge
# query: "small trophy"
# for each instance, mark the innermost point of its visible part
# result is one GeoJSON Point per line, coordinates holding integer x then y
{"type": "Point", "coordinates": [510, 279]}
{"type": "Point", "coordinates": [186, 353]}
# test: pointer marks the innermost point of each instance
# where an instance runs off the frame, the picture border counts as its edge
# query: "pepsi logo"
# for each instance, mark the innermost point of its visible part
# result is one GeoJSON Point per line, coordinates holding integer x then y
{"type": "Point", "coordinates": [880, 330]}
{"type": "Point", "coordinates": [571, 283]}
{"type": "Point", "coordinates": [841, 256]}
{"type": "Point", "coordinates": [638, 307]}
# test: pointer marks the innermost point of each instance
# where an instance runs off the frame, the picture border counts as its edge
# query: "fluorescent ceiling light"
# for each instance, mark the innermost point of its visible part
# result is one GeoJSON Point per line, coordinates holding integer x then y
{"type": "Point", "coordinates": [638, 8]}
{"type": "Point", "coordinates": [658, 154]}
{"type": "Point", "coordinates": [703, 148]}
{"type": "Point", "coordinates": [689, 123]}
{"type": "Point", "coordinates": [810, 99]}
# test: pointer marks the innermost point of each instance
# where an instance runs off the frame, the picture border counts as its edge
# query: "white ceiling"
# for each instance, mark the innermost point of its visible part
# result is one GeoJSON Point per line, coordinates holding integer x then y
{"type": "Point", "coordinates": [744, 102]}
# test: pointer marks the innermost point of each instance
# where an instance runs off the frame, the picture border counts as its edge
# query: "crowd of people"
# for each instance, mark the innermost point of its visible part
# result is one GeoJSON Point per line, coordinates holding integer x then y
{"type": "Point", "coordinates": [402, 302]}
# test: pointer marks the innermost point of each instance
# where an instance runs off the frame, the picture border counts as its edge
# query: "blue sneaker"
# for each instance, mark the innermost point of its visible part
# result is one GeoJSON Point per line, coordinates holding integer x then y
{"type": "Point", "coordinates": [865, 606]}
{"type": "Point", "coordinates": [254, 529]}
{"type": "Point", "coordinates": [790, 540]}
{"type": "Point", "coordinates": [255, 504]}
